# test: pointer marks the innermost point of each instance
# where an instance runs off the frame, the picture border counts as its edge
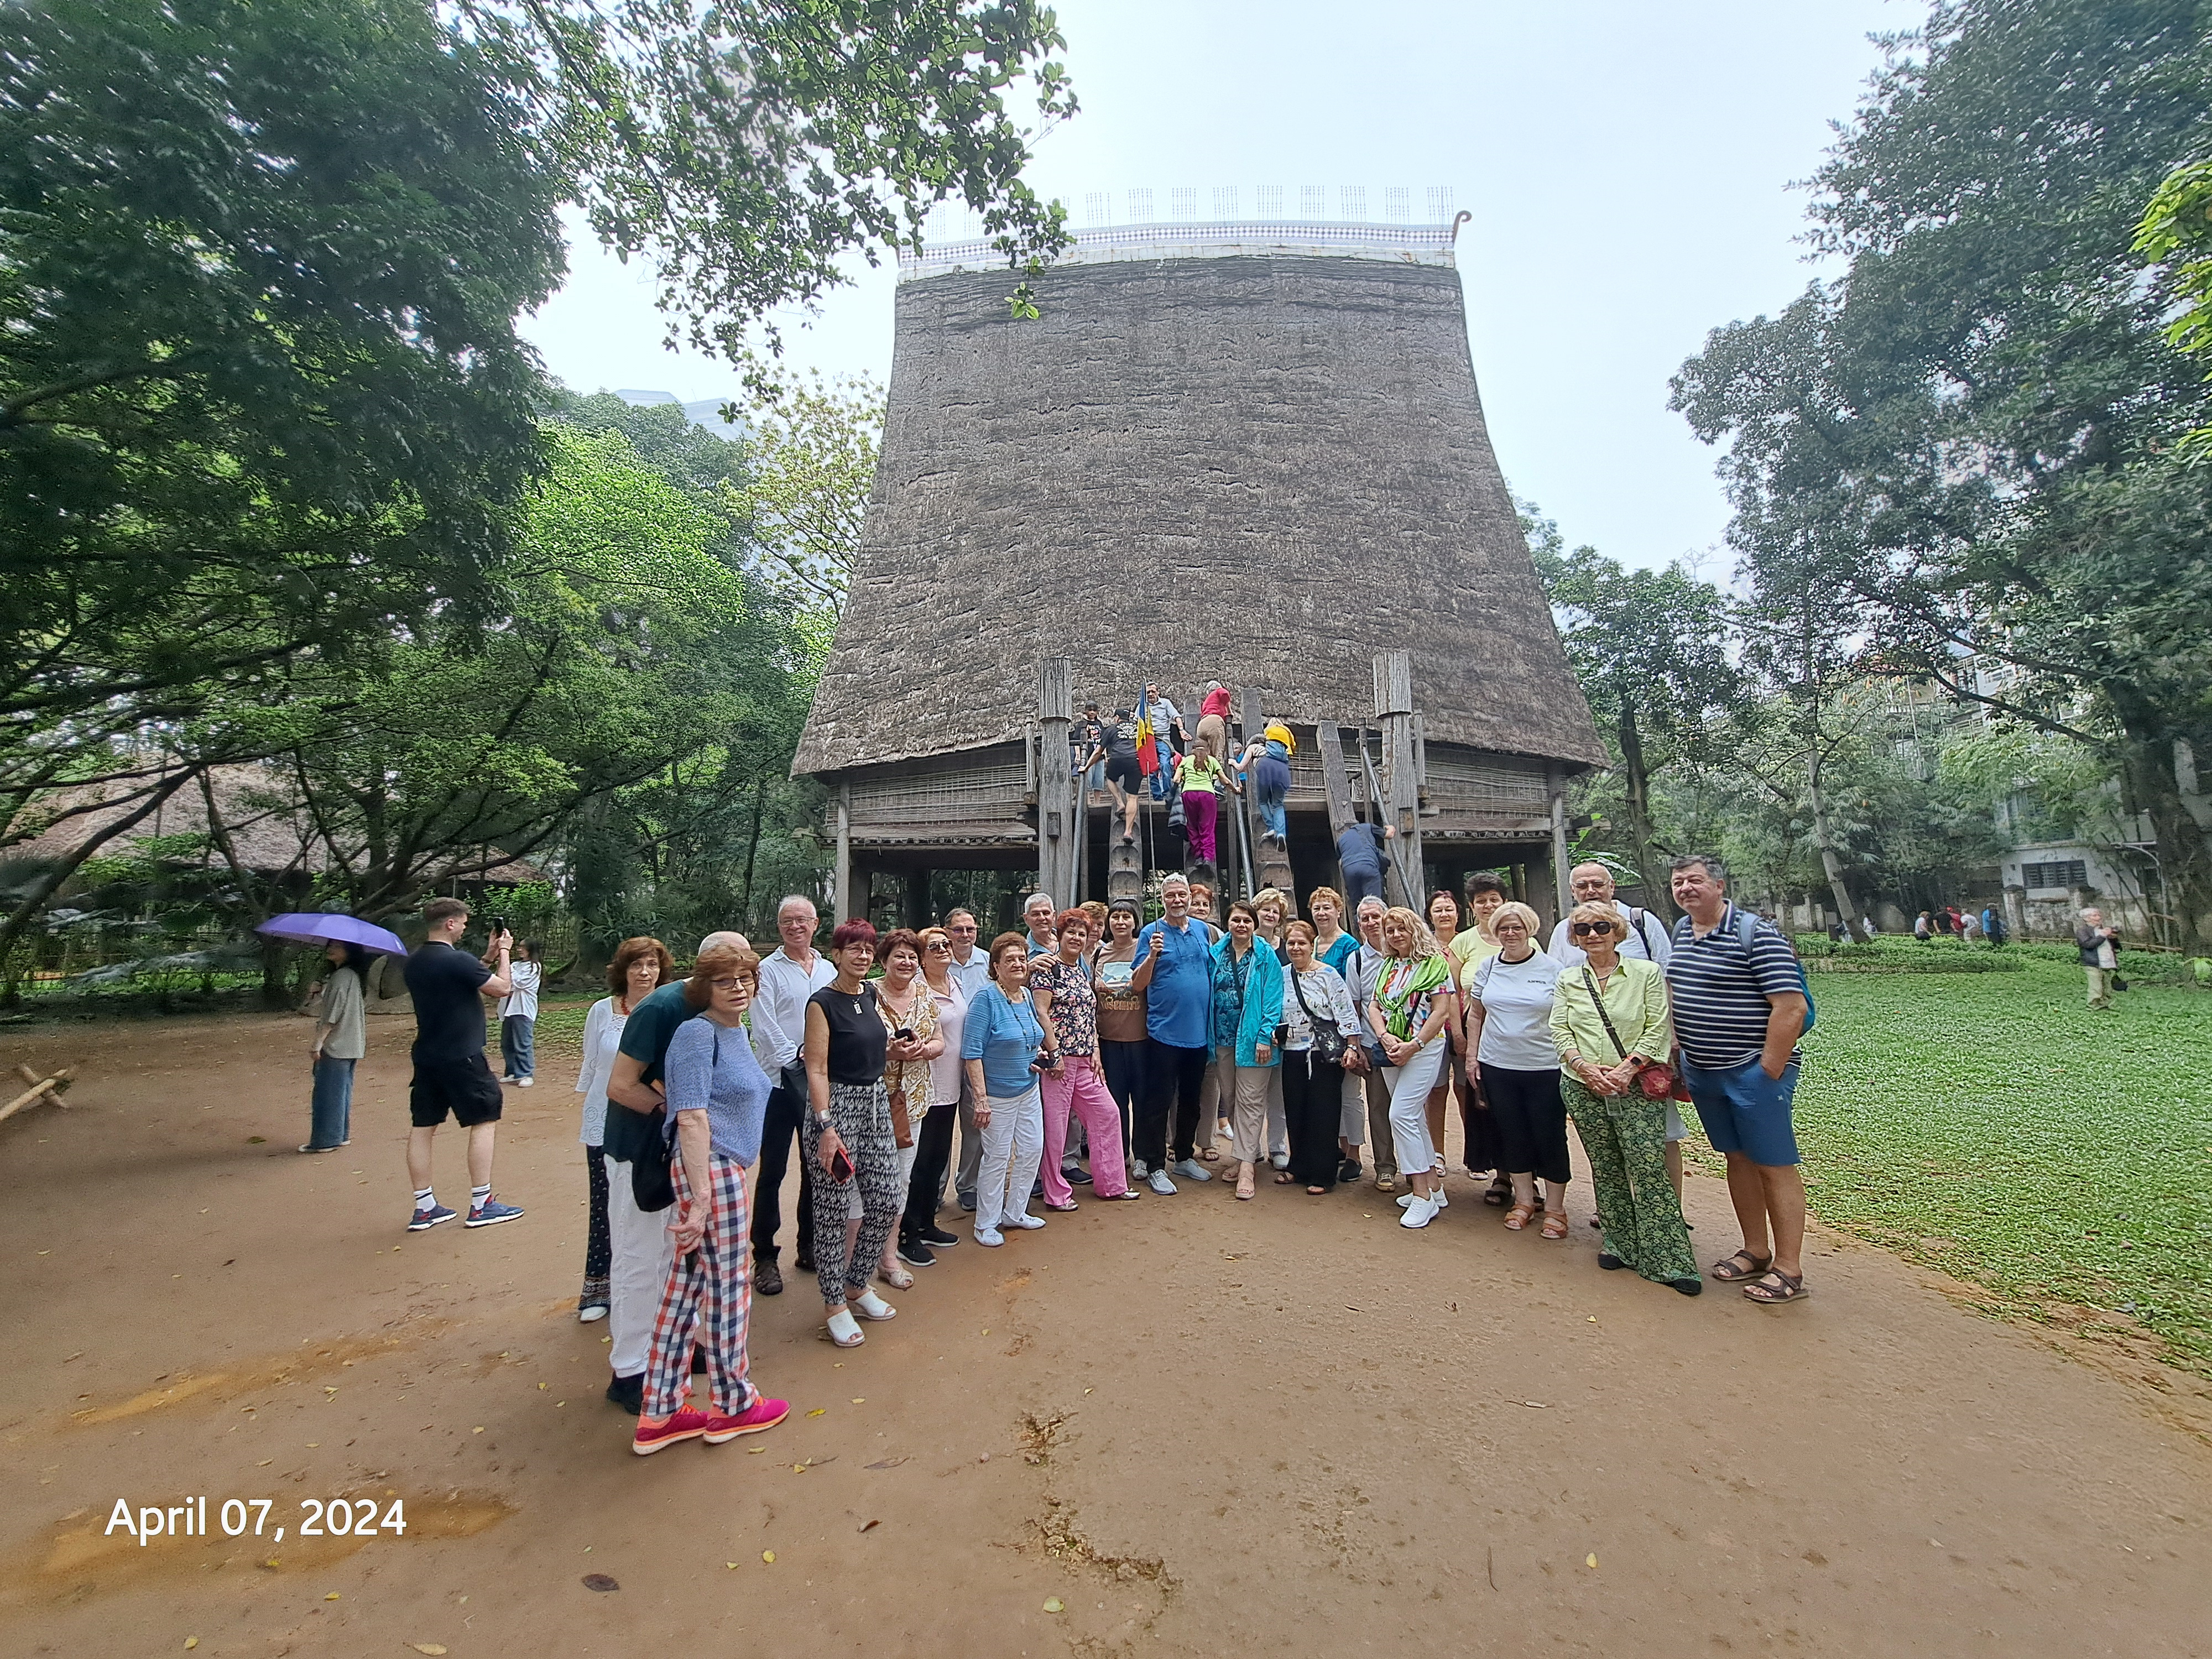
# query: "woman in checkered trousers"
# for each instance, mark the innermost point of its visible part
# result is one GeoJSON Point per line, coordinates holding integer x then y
{"type": "Point", "coordinates": [717, 1101]}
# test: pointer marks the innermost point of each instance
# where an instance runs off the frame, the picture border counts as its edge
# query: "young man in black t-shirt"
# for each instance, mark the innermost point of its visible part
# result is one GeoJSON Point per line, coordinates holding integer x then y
{"type": "Point", "coordinates": [449, 986]}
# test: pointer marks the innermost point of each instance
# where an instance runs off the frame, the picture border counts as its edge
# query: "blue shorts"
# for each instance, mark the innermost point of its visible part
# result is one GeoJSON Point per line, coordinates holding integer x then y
{"type": "Point", "coordinates": [1744, 1110]}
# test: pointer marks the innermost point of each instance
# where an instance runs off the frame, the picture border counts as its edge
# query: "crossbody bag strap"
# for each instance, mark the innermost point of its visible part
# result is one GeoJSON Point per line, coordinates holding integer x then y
{"type": "Point", "coordinates": [1598, 997]}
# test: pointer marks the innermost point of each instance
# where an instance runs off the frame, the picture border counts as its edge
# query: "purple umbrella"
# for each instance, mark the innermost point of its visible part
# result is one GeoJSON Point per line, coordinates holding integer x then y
{"type": "Point", "coordinates": [317, 927]}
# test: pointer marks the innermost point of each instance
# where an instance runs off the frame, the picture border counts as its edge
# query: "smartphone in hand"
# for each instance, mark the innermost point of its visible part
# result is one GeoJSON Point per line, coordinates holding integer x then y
{"type": "Point", "coordinates": [841, 1166]}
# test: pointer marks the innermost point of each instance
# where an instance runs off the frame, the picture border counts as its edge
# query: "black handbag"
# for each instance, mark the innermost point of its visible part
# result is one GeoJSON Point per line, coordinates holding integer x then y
{"type": "Point", "coordinates": [1329, 1043]}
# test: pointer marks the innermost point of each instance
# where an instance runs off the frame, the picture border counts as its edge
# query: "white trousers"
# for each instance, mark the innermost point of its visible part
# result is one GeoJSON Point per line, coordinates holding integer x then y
{"type": "Point", "coordinates": [1354, 1129]}
{"type": "Point", "coordinates": [643, 1252]}
{"type": "Point", "coordinates": [1409, 1105]}
{"type": "Point", "coordinates": [1013, 1145]}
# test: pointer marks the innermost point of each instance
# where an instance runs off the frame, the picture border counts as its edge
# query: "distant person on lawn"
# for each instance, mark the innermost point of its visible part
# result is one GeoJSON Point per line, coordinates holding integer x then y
{"type": "Point", "coordinates": [518, 1015]}
{"type": "Point", "coordinates": [1739, 1006]}
{"type": "Point", "coordinates": [448, 988]}
{"type": "Point", "coordinates": [2100, 946]}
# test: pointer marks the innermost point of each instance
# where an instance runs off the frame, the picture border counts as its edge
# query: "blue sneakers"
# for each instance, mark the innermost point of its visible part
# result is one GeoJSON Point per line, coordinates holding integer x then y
{"type": "Point", "coordinates": [426, 1219]}
{"type": "Point", "coordinates": [491, 1212]}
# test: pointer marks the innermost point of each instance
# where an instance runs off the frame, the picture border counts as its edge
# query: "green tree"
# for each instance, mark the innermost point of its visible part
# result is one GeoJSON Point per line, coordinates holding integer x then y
{"type": "Point", "coordinates": [2176, 232]}
{"type": "Point", "coordinates": [260, 390]}
{"type": "Point", "coordinates": [813, 442]}
{"type": "Point", "coordinates": [1970, 441]}
{"type": "Point", "coordinates": [629, 648]}
{"type": "Point", "coordinates": [1651, 650]}
{"type": "Point", "coordinates": [745, 147]}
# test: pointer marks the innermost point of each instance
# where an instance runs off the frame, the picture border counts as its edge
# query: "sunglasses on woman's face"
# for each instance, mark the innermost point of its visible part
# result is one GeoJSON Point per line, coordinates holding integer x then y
{"type": "Point", "coordinates": [938, 945]}
{"type": "Point", "coordinates": [1581, 928]}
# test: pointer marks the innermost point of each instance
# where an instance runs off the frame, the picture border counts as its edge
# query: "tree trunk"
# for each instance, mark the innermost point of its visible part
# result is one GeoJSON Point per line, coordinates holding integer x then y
{"type": "Point", "coordinates": [1657, 894]}
{"type": "Point", "coordinates": [1845, 905]}
{"type": "Point", "coordinates": [2185, 862]}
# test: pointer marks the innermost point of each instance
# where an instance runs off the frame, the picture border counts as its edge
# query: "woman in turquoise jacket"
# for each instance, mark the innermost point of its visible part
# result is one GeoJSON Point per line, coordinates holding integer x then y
{"type": "Point", "coordinates": [1248, 1009]}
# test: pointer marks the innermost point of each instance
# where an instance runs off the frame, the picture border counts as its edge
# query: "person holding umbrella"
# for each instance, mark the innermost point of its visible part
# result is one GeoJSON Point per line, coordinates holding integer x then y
{"type": "Point", "coordinates": [341, 1039]}
{"type": "Point", "coordinates": [341, 1015]}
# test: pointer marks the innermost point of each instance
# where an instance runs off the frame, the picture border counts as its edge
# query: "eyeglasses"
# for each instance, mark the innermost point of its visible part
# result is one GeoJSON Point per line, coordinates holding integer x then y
{"type": "Point", "coordinates": [728, 983]}
{"type": "Point", "coordinates": [1579, 928]}
{"type": "Point", "coordinates": [938, 944]}
{"type": "Point", "coordinates": [962, 927]}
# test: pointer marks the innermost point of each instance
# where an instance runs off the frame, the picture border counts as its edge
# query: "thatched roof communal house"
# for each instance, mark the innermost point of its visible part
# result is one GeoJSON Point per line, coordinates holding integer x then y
{"type": "Point", "coordinates": [1251, 453]}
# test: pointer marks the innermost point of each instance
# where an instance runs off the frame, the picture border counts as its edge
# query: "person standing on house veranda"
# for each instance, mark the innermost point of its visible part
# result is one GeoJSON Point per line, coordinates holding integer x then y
{"type": "Point", "coordinates": [717, 1104]}
{"type": "Point", "coordinates": [448, 988]}
{"type": "Point", "coordinates": [1739, 1006]}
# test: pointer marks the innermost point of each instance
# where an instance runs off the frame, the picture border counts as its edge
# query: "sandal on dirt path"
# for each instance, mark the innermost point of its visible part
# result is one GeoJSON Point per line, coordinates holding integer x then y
{"type": "Point", "coordinates": [1208, 1154]}
{"type": "Point", "coordinates": [1555, 1224]}
{"type": "Point", "coordinates": [1519, 1217]}
{"type": "Point", "coordinates": [1498, 1193]}
{"type": "Point", "coordinates": [1774, 1287]}
{"type": "Point", "coordinates": [1727, 1272]}
{"type": "Point", "coordinates": [1285, 1179]}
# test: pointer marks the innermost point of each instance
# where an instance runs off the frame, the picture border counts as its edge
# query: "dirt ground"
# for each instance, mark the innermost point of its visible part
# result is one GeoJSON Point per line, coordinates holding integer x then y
{"type": "Point", "coordinates": [1186, 1426]}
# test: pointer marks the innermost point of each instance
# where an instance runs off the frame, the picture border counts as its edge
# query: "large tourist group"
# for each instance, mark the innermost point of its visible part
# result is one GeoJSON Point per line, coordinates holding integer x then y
{"type": "Point", "coordinates": [927, 1075]}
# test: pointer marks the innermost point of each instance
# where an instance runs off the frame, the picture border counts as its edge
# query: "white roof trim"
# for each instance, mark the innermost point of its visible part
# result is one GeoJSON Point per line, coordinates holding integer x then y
{"type": "Point", "coordinates": [1415, 245]}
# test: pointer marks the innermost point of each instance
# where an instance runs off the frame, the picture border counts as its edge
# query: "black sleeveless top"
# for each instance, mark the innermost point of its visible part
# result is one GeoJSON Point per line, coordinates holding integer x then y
{"type": "Point", "coordinates": [857, 1038]}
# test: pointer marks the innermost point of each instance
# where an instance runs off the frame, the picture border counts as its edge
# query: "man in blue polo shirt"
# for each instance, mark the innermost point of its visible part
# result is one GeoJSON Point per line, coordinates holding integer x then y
{"type": "Point", "coordinates": [1740, 1006]}
{"type": "Point", "coordinates": [1174, 969]}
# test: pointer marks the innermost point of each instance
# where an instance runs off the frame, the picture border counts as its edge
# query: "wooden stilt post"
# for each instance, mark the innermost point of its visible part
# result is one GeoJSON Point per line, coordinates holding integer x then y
{"type": "Point", "coordinates": [840, 871]}
{"type": "Point", "coordinates": [1057, 824]}
{"type": "Point", "coordinates": [1558, 796]}
{"type": "Point", "coordinates": [1394, 707]}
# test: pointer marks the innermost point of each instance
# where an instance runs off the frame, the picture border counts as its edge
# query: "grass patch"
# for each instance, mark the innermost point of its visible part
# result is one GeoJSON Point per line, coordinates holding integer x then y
{"type": "Point", "coordinates": [1992, 1127]}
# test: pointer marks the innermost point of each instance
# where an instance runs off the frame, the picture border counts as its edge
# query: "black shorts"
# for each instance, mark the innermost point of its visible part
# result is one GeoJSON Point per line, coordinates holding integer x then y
{"type": "Point", "coordinates": [464, 1087]}
{"type": "Point", "coordinates": [1124, 769]}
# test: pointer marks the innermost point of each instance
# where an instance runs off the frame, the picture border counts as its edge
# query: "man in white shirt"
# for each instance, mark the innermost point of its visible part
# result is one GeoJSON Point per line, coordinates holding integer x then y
{"type": "Point", "coordinates": [789, 974]}
{"type": "Point", "coordinates": [1647, 940]}
{"type": "Point", "coordinates": [971, 966]}
{"type": "Point", "coordinates": [1037, 914]}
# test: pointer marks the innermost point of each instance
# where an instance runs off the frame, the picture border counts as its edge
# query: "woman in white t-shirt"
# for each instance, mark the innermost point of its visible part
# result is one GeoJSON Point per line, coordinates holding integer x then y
{"type": "Point", "coordinates": [640, 966]}
{"type": "Point", "coordinates": [1509, 1019]}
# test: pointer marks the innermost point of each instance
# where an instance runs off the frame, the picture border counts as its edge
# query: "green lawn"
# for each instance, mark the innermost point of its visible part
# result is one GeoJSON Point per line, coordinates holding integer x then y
{"type": "Point", "coordinates": [1991, 1126]}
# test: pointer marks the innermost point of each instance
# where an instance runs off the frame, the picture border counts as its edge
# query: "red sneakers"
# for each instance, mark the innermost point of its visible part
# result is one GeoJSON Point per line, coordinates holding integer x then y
{"type": "Point", "coordinates": [683, 1425]}
{"type": "Point", "coordinates": [762, 1413]}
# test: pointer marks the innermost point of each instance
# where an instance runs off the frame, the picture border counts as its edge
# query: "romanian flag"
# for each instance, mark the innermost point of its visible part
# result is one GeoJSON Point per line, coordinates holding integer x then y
{"type": "Point", "coordinates": [1148, 747]}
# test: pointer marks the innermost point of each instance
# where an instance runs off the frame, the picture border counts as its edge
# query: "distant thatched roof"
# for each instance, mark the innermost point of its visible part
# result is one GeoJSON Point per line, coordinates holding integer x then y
{"type": "Point", "coordinates": [260, 807]}
{"type": "Point", "coordinates": [1261, 470]}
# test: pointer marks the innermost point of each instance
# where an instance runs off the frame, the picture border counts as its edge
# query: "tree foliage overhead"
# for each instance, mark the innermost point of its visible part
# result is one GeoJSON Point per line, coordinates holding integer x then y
{"type": "Point", "coordinates": [1968, 444]}
{"type": "Point", "coordinates": [744, 145]}
{"type": "Point", "coordinates": [260, 389]}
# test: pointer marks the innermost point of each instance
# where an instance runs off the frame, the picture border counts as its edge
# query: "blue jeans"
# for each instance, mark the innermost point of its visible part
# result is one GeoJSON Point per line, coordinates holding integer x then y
{"type": "Point", "coordinates": [333, 1122]}
{"type": "Point", "coordinates": [518, 1045]}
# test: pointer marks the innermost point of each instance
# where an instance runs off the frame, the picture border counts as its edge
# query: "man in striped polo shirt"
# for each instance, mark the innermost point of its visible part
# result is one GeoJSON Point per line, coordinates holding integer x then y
{"type": "Point", "coordinates": [1740, 1006]}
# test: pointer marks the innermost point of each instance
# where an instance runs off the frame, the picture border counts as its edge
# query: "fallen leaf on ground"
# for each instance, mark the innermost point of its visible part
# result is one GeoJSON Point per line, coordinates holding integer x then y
{"type": "Point", "coordinates": [887, 1463]}
{"type": "Point", "coordinates": [1053, 1604]}
{"type": "Point", "coordinates": [332, 1596]}
{"type": "Point", "coordinates": [768, 1556]}
{"type": "Point", "coordinates": [862, 1400]}
{"type": "Point", "coordinates": [869, 1526]}
{"type": "Point", "coordinates": [191, 1641]}
{"type": "Point", "coordinates": [1589, 1560]}
{"type": "Point", "coordinates": [436, 1649]}
{"type": "Point", "coordinates": [817, 1410]}
{"type": "Point", "coordinates": [600, 1581]}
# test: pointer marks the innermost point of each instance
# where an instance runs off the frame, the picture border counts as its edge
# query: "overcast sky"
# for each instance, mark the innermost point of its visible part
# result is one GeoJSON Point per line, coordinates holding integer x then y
{"type": "Point", "coordinates": [1627, 164]}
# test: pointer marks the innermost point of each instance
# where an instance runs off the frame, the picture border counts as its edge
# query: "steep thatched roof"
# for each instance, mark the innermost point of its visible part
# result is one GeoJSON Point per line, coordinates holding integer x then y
{"type": "Point", "coordinates": [1258, 468]}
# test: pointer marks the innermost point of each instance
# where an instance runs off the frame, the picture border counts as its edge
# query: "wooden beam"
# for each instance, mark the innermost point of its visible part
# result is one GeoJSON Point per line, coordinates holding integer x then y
{"type": "Point", "coordinates": [48, 1088]}
{"type": "Point", "coordinates": [1558, 792]}
{"type": "Point", "coordinates": [841, 871]}
{"type": "Point", "coordinates": [1334, 779]}
{"type": "Point", "coordinates": [1059, 824]}
{"type": "Point", "coordinates": [1401, 776]}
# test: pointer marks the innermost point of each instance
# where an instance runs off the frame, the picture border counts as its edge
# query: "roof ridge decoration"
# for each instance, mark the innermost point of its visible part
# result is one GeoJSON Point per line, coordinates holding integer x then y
{"type": "Point", "coordinates": [1415, 244]}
